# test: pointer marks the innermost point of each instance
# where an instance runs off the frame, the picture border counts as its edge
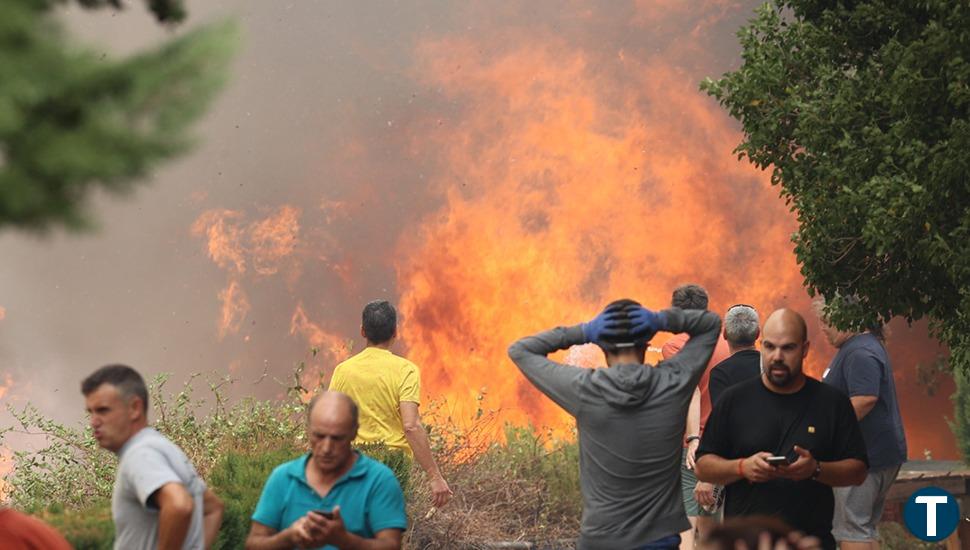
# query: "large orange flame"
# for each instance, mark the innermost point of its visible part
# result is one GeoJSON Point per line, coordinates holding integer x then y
{"type": "Point", "coordinates": [577, 186]}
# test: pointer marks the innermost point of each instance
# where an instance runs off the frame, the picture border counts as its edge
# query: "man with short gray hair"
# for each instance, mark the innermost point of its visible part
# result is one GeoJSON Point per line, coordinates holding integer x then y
{"type": "Point", "coordinates": [741, 330]}
{"type": "Point", "coordinates": [159, 500]}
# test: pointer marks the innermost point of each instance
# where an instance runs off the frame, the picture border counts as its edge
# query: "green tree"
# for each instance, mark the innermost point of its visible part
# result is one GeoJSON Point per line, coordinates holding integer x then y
{"type": "Point", "coordinates": [71, 121]}
{"type": "Point", "coordinates": [860, 110]}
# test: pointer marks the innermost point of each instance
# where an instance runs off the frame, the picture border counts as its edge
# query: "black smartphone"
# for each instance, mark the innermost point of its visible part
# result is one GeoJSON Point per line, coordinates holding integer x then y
{"type": "Point", "coordinates": [776, 460]}
{"type": "Point", "coordinates": [325, 513]}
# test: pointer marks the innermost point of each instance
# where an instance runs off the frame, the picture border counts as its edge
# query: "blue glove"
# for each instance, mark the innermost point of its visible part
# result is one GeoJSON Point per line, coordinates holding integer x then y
{"type": "Point", "coordinates": [645, 323]}
{"type": "Point", "coordinates": [606, 320]}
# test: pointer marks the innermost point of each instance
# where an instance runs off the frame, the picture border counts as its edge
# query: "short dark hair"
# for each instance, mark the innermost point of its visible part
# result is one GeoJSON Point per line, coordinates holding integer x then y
{"type": "Point", "coordinates": [609, 344]}
{"type": "Point", "coordinates": [123, 377]}
{"type": "Point", "coordinates": [379, 320]}
{"type": "Point", "coordinates": [689, 297]}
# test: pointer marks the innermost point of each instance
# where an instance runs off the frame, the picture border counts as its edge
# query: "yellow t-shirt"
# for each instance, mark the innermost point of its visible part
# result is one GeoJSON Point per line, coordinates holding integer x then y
{"type": "Point", "coordinates": [378, 381]}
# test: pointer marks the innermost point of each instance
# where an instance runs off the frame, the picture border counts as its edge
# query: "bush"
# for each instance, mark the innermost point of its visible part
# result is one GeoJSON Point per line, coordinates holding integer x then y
{"type": "Point", "coordinates": [238, 480]}
{"type": "Point", "coordinates": [88, 528]}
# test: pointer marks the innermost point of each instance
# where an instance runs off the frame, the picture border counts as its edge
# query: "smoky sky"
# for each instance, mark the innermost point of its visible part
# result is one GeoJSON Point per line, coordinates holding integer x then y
{"type": "Point", "coordinates": [325, 110]}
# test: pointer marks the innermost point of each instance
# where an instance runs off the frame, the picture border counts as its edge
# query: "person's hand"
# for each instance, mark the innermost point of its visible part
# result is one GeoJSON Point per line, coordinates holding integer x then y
{"type": "Point", "coordinates": [606, 321]}
{"type": "Point", "coordinates": [704, 494]}
{"type": "Point", "coordinates": [302, 532]}
{"type": "Point", "coordinates": [328, 530]}
{"type": "Point", "coordinates": [803, 468]}
{"type": "Point", "coordinates": [440, 492]}
{"type": "Point", "coordinates": [645, 323]}
{"type": "Point", "coordinates": [691, 459]}
{"type": "Point", "coordinates": [756, 469]}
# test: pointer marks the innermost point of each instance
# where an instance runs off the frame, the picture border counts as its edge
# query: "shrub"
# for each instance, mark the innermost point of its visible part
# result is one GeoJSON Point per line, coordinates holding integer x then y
{"type": "Point", "coordinates": [238, 479]}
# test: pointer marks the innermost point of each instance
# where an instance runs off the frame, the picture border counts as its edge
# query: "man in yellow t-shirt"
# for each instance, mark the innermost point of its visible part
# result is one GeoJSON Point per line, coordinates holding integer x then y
{"type": "Point", "coordinates": [387, 390]}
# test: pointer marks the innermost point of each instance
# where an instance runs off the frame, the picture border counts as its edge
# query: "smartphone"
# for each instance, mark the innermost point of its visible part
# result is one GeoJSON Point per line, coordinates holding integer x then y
{"type": "Point", "coordinates": [325, 513]}
{"type": "Point", "coordinates": [777, 460]}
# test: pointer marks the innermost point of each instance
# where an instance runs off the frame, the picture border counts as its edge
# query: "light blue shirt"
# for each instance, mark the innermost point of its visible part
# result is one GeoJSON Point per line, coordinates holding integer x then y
{"type": "Point", "coordinates": [369, 496]}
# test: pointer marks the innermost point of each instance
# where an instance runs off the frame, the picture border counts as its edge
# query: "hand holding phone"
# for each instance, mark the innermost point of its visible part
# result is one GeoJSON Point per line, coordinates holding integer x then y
{"type": "Point", "coordinates": [325, 513]}
{"type": "Point", "coordinates": [776, 460]}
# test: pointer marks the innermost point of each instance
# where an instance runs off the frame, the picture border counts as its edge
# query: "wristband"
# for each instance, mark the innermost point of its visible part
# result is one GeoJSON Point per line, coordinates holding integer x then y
{"type": "Point", "coordinates": [692, 438]}
{"type": "Point", "coordinates": [818, 470]}
{"type": "Point", "coordinates": [740, 468]}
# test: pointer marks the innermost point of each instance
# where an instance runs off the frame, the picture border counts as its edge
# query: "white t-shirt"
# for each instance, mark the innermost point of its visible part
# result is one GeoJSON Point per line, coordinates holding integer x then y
{"type": "Point", "coordinates": [147, 462]}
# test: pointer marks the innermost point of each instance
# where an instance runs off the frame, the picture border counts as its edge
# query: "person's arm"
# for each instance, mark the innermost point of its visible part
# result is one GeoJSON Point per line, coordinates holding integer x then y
{"type": "Point", "coordinates": [418, 440]}
{"type": "Point", "coordinates": [693, 427]}
{"type": "Point", "coordinates": [837, 473]}
{"type": "Point", "coordinates": [863, 377]}
{"type": "Point", "coordinates": [703, 327]}
{"type": "Point", "coordinates": [175, 506]}
{"type": "Point", "coordinates": [387, 539]}
{"type": "Point", "coordinates": [264, 537]}
{"type": "Point", "coordinates": [712, 468]}
{"type": "Point", "coordinates": [558, 381]}
{"type": "Point", "coordinates": [863, 404]}
{"type": "Point", "coordinates": [212, 509]}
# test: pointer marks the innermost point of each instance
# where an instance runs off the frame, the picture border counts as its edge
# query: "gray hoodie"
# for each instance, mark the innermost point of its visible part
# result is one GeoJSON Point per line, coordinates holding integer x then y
{"type": "Point", "coordinates": [631, 421]}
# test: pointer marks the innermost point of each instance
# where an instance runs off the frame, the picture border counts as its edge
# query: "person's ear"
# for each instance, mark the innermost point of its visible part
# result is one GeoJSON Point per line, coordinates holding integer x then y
{"type": "Point", "coordinates": [135, 407]}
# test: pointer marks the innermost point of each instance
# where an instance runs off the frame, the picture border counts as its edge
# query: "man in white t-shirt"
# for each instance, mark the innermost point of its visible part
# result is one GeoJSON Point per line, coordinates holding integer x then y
{"type": "Point", "coordinates": [159, 500]}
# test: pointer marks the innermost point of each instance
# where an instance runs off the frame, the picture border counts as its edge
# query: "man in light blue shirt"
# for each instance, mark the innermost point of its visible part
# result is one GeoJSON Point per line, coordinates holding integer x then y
{"type": "Point", "coordinates": [332, 497]}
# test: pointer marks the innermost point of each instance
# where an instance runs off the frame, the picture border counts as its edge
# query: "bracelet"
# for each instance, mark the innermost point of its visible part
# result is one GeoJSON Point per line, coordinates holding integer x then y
{"type": "Point", "coordinates": [740, 468]}
{"type": "Point", "coordinates": [692, 438]}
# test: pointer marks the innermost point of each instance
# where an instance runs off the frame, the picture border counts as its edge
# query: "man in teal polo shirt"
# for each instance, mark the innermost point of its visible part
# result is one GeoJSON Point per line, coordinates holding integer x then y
{"type": "Point", "coordinates": [332, 497]}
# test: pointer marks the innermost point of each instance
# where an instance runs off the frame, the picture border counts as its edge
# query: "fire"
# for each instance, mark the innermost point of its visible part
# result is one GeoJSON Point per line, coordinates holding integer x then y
{"type": "Point", "coordinates": [224, 238]}
{"type": "Point", "coordinates": [265, 245]}
{"type": "Point", "coordinates": [6, 384]}
{"type": "Point", "coordinates": [235, 306]}
{"type": "Point", "coordinates": [579, 186]}
{"type": "Point", "coordinates": [332, 348]}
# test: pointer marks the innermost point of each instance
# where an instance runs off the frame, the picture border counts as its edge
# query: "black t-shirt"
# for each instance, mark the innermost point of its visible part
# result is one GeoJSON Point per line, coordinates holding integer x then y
{"type": "Point", "coordinates": [749, 418]}
{"type": "Point", "coordinates": [741, 366]}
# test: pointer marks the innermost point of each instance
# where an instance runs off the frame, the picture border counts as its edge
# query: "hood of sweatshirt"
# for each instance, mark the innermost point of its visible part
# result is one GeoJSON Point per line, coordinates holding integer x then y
{"type": "Point", "coordinates": [629, 384]}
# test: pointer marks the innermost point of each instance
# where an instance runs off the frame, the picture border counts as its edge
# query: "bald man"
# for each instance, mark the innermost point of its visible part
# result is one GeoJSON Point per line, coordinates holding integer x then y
{"type": "Point", "coordinates": [333, 496]}
{"type": "Point", "coordinates": [780, 442]}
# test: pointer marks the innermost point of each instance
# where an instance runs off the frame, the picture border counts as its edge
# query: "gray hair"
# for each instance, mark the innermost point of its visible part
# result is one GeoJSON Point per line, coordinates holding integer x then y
{"type": "Point", "coordinates": [741, 325]}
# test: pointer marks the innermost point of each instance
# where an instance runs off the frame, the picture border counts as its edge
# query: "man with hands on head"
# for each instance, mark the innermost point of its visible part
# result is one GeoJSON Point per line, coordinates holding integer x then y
{"type": "Point", "coordinates": [630, 418]}
{"type": "Point", "coordinates": [332, 497]}
{"type": "Point", "coordinates": [783, 413]}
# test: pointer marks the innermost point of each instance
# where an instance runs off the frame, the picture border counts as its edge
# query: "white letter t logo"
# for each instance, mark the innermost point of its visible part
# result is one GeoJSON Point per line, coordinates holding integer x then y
{"type": "Point", "coordinates": [931, 503]}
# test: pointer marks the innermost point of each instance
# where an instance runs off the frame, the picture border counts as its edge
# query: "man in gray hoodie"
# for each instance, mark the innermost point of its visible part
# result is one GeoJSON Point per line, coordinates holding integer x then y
{"type": "Point", "coordinates": [630, 418]}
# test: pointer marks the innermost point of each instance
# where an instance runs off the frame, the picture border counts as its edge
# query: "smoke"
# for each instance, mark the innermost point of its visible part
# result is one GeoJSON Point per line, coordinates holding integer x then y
{"type": "Point", "coordinates": [493, 169]}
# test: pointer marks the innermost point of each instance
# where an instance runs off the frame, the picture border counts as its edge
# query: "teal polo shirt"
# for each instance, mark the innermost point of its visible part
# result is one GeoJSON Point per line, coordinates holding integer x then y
{"type": "Point", "coordinates": [369, 496]}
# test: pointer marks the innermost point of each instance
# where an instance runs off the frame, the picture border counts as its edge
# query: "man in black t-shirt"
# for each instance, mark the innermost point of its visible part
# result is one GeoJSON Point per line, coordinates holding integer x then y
{"type": "Point", "coordinates": [783, 413]}
{"type": "Point", "coordinates": [741, 332]}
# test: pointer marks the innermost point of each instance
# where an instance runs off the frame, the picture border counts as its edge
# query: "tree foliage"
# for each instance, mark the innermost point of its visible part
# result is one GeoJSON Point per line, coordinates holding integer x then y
{"type": "Point", "coordinates": [72, 121]}
{"type": "Point", "coordinates": [860, 110]}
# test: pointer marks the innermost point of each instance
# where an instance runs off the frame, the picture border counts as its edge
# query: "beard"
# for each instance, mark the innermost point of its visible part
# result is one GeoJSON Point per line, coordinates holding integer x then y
{"type": "Point", "coordinates": [780, 374]}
